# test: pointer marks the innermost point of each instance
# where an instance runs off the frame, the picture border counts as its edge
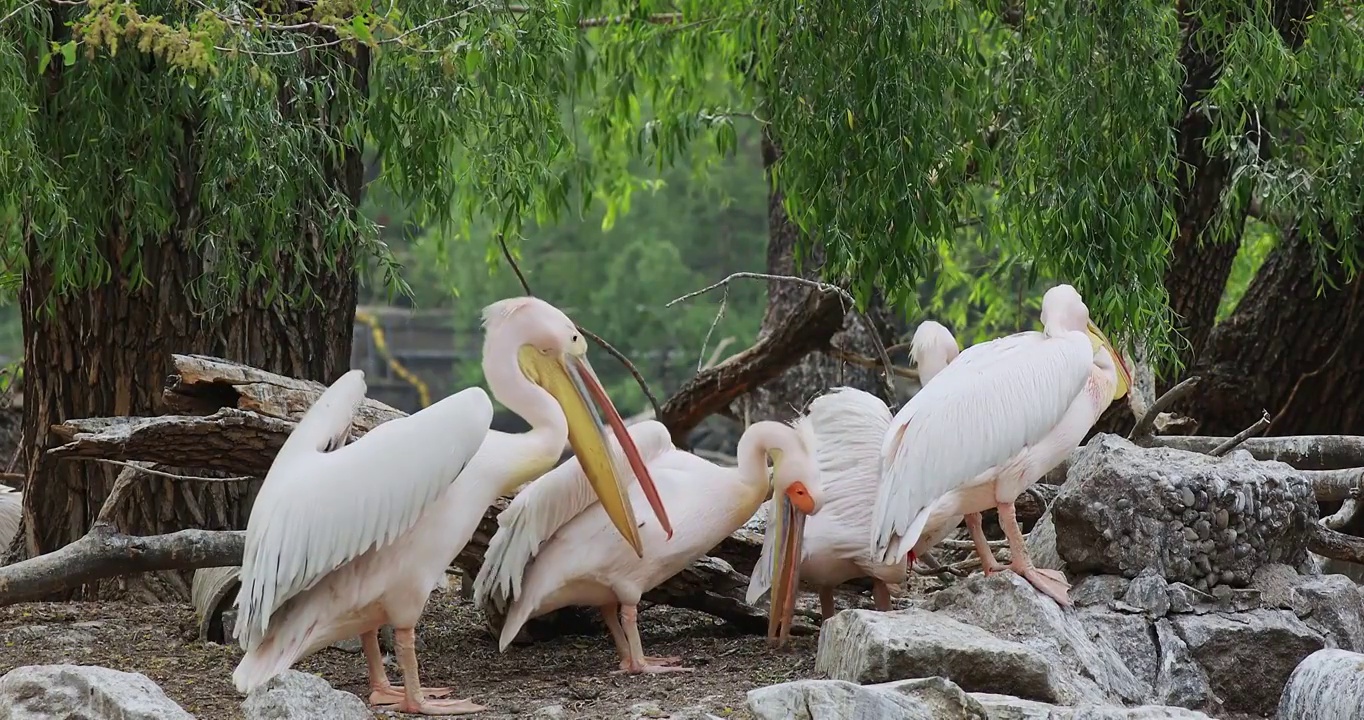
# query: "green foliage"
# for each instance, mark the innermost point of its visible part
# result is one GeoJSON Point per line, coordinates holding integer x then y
{"type": "Point", "coordinates": [1258, 239]}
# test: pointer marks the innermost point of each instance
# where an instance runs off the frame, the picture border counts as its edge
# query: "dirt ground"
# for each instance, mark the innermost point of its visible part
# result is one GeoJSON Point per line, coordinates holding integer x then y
{"type": "Point", "coordinates": [161, 642]}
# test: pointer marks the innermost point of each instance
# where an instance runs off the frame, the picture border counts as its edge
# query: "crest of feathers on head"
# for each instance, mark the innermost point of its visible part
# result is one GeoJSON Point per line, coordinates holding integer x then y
{"type": "Point", "coordinates": [503, 309]}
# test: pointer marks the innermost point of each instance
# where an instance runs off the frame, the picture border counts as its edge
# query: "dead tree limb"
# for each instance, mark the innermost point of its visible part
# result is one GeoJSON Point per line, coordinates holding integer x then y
{"type": "Point", "coordinates": [1146, 425]}
{"type": "Point", "coordinates": [1335, 545]}
{"type": "Point", "coordinates": [1304, 452]}
{"type": "Point", "coordinates": [1260, 426]}
{"type": "Point", "coordinates": [234, 441]}
{"type": "Point", "coordinates": [104, 553]}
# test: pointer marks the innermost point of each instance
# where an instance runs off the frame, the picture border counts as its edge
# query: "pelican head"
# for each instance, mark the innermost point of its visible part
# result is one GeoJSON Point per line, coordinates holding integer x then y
{"type": "Point", "coordinates": [796, 494]}
{"type": "Point", "coordinates": [1064, 311]}
{"type": "Point", "coordinates": [552, 354]}
{"type": "Point", "coordinates": [932, 348]}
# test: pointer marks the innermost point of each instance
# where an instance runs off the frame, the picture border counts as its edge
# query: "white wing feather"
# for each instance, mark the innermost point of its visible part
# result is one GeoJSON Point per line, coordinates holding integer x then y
{"type": "Point", "coordinates": [844, 429]}
{"type": "Point", "coordinates": [319, 510]}
{"type": "Point", "coordinates": [11, 510]}
{"type": "Point", "coordinates": [545, 505]}
{"type": "Point", "coordinates": [980, 411]}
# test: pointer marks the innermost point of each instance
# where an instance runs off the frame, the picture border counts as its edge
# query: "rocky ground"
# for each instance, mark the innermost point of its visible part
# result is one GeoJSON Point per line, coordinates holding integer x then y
{"type": "Point", "coordinates": [574, 672]}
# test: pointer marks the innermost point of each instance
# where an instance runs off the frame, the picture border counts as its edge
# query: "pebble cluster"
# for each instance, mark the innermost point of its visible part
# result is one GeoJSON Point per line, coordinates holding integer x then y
{"type": "Point", "coordinates": [1199, 520]}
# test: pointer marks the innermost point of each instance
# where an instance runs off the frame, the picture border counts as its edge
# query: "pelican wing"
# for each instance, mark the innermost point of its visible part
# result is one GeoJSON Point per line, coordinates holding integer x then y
{"type": "Point", "coordinates": [11, 510]}
{"type": "Point", "coordinates": [981, 410]}
{"type": "Point", "coordinates": [319, 510]}
{"type": "Point", "coordinates": [544, 506]}
{"type": "Point", "coordinates": [844, 428]}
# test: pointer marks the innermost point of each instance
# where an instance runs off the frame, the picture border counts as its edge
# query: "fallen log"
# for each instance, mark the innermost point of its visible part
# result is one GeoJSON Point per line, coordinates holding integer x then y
{"type": "Point", "coordinates": [1304, 452]}
{"type": "Point", "coordinates": [1335, 545]}
{"type": "Point", "coordinates": [105, 553]}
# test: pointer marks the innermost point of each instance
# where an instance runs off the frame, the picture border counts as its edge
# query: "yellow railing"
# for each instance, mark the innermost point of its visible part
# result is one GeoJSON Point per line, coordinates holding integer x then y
{"type": "Point", "coordinates": [376, 331]}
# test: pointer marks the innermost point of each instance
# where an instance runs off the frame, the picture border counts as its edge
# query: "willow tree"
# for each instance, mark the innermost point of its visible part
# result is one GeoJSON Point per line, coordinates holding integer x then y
{"type": "Point", "coordinates": [184, 177]}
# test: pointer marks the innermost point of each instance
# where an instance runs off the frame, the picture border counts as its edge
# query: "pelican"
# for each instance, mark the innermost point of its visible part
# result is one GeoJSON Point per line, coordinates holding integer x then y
{"type": "Point", "coordinates": [11, 509]}
{"type": "Point", "coordinates": [343, 539]}
{"type": "Point", "coordinates": [991, 424]}
{"type": "Point", "coordinates": [552, 548]}
{"type": "Point", "coordinates": [847, 425]}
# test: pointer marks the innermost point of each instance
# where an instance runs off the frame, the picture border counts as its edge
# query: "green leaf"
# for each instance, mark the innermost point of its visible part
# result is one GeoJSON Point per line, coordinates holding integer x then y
{"type": "Point", "coordinates": [69, 53]}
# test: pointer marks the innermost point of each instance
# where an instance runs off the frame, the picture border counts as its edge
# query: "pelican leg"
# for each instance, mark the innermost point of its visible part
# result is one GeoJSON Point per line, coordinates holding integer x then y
{"type": "Point", "coordinates": [381, 691]}
{"type": "Point", "coordinates": [638, 662]}
{"type": "Point", "coordinates": [987, 556]}
{"type": "Point", "coordinates": [1050, 582]}
{"type": "Point", "coordinates": [609, 614]}
{"type": "Point", "coordinates": [826, 603]}
{"type": "Point", "coordinates": [414, 700]}
{"type": "Point", "coordinates": [880, 594]}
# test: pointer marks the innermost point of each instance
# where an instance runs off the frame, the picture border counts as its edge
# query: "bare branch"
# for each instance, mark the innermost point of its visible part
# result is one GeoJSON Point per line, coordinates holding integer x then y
{"type": "Point", "coordinates": [1260, 426]}
{"type": "Point", "coordinates": [1345, 514]}
{"type": "Point", "coordinates": [1305, 452]}
{"type": "Point", "coordinates": [1335, 545]}
{"type": "Point", "coordinates": [1145, 426]}
{"type": "Point", "coordinates": [887, 369]}
{"type": "Point", "coordinates": [870, 364]}
{"type": "Point", "coordinates": [104, 553]}
{"type": "Point", "coordinates": [144, 468]}
{"type": "Point", "coordinates": [612, 351]}
{"type": "Point", "coordinates": [1336, 485]}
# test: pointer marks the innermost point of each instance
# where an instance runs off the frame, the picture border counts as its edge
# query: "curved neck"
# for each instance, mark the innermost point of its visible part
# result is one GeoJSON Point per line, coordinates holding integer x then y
{"type": "Point", "coordinates": [502, 367]}
{"type": "Point", "coordinates": [753, 446]}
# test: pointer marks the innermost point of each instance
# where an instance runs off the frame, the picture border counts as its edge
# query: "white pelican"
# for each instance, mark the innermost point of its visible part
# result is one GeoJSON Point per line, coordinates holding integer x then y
{"type": "Point", "coordinates": [345, 539]}
{"type": "Point", "coordinates": [553, 547]}
{"type": "Point", "coordinates": [11, 509]}
{"type": "Point", "coordinates": [847, 426]}
{"type": "Point", "coordinates": [990, 425]}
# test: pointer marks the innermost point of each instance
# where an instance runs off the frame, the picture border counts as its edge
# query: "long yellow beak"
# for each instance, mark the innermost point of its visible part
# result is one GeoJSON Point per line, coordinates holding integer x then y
{"type": "Point", "coordinates": [1097, 337]}
{"type": "Point", "coordinates": [571, 381]}
{"type": "Point", "coordinates": [787, 522]}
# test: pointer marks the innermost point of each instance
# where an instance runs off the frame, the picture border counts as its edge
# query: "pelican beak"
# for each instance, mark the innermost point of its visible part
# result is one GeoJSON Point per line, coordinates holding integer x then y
{"type": "Point", "coordinates": [570, 379]}
{"type": "Point", "coordinates": [1098, 338]}
{"type": "Point", "coordinates": [787, 523]}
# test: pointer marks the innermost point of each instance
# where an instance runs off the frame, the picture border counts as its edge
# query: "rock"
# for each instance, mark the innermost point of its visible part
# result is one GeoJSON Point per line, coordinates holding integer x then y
{"type": "Point", "coordinates": [864, 646]}
{"type": "Point", "coordinates": [1004, 707]}
{"type": "Point", "coordinates": [38, 692]}
{"type": "Point", "coordinates": [692, 713]}
{"type": "Point", "coordinates": [1247, 657]}
{"type": "Point", "coordinates": [1230, 599]}
{"type": "Point", "coordinates": [1185, 599]}
{"type": "Point", "coordinates": [294, 695]}
{"type": "Point", "coordinates": [1332, 605]}
{"type": "Point", "coordinates": [1148, 592]}
{"type": "Point", "coordinates": [1327, 685]}
{"type": "Point", "coordinates": [1098, 590]}
{"type": "Point", "coordinates": [1130, 635]}
{"type": "Point", "coordinates": [1041, 544]}
{"type": "Point", "coordinates": [919, 699]}
{"type": "Point", "coordinates": [646, 711]}
{"type": "Point", "coordinates": [1269, 509]}
{"type": "Point", "coordinates": [551, 712]}
{"type": "Point", "coordinates": [1082, 668]}
{"type": "Point", "coordinates": [1179, 680]}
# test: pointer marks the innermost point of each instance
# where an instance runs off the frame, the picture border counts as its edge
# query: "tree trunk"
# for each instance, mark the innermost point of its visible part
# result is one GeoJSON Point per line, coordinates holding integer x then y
{"type": "Point", "coordinates": [785, 396]}
{"type": "Point", "coordinates": [1288, 350]}
{"type": "Point", "coordinates": [106, 351]}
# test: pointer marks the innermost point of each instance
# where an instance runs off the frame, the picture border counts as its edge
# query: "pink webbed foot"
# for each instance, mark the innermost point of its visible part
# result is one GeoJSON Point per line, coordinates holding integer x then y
{"type": "Point", "coordinates": [1050, 582]}
{"type": "Point", "coordinates": [437, 707]}
{"type": "Point", "coordinates": [390, 695]}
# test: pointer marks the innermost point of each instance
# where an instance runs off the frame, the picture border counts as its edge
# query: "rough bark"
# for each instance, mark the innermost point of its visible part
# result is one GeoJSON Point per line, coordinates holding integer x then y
{"type": "Point", "coordinates": [784, 396]}
{"type": "Point", "coordinates": [103, 351]}
{"type": "Point", "coordinates": [1288, 350]}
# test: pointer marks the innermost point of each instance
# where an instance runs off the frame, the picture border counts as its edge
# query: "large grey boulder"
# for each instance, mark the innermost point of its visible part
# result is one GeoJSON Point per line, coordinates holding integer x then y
{"type": "Point", "coordinates": [1003, 707]}
{"type": "Point", "coordinates": [1084, 666]}
{"type": "Point", "coordinates": [1193, 518]}
{"type": "Point", "coordinates": [294, 695]}
{"type": "Point", "coordinates": [1248, 657]}
{"type": "Point", "coordinates": [919, 699]}
{"type": "Point", "coordinates": [1327, 685]}
{"type": "Point", "coordinates": [865, 646]}
{"type": "Point", "coordinates": [1330, 604]}
{"type": "Point", "coordinates": [40, 692]}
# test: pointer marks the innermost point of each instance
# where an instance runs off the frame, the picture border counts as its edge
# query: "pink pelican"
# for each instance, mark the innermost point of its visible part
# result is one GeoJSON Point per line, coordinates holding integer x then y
{"type": "Point", "coordinates": [11, 510]}
{"type": "Point", "coordinates": [344, 539]}
{"type": "Point", "coordinates": [990, 425]}
{"type": "Point", "coordinates": [553, 549]}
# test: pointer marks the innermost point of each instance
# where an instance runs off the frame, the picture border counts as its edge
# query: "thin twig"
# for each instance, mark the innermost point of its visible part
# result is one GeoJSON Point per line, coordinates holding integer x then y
{"type": "Point", "coordinates": [610, 350]}
{"type": "Point", "coordinates": [871, 364]}
{"type": "Point", "coordinates": [166, 475]}
{"type": "Point", "coordinates": [888, 370]}
{"type": "Point", "coordinates": [18, 10]}
{"type": "Point", "coordinates": [724, 303]}
{"type": "Point", "coordinates": [1260, 426]}
{"type": "Point", "coordinates": [1146, 425]}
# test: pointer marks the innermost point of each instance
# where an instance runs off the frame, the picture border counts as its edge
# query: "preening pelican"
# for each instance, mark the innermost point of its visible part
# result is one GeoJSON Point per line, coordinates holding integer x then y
{"type": "Point", "coordinates": [11, 509]}
{"type": "Point", "coordinates": [990, 425]}
{"type": "Point", "coordinates": [344, 539]}
{"type": "Point", "coordinates": [847, 425]}
{"type": "Point", "coordinates": [553, 547]}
